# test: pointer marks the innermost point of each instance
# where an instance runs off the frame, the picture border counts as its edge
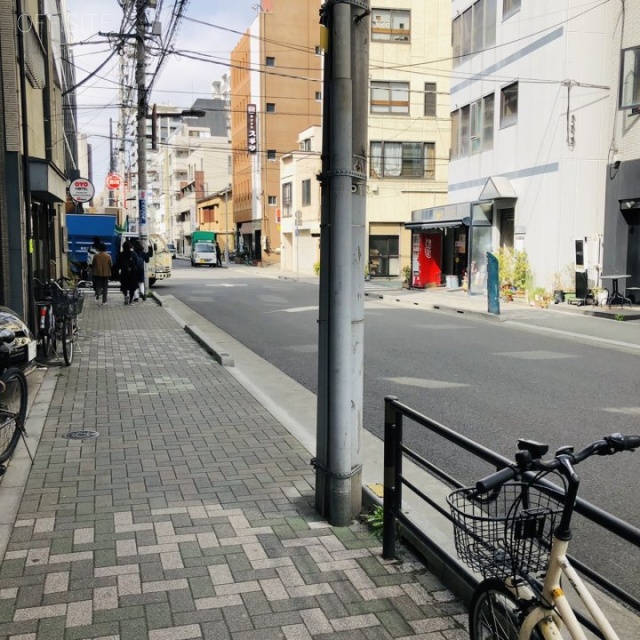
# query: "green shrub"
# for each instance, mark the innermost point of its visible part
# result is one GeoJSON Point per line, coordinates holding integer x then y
{"type": "Point", "coordinates": [374, 521]}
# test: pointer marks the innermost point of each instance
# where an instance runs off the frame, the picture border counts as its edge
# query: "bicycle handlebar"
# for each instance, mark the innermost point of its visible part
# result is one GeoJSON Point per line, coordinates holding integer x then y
{"type": "Point", "coordinates": [607, 446]}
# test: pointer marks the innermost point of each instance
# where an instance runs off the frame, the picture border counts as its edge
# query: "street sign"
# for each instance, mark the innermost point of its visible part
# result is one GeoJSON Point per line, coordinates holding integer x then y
{"type": "Point", "coordinates": [81, 190]}
{"type": "Point", "coordinates": [113, 182]}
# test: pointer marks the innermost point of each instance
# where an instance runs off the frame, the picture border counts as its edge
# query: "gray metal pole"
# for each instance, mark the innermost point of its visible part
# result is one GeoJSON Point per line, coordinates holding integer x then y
{"type": "Point", "coordinates": [360, 81]}
{"type": "Point", "coordinates": [141, 67]}
{"type": "Point", "coordinates": [226, 226]}
{"type": "Point", "coordinates": [322, 427]}
{"type": "Point", "coordinates": [340, 199]}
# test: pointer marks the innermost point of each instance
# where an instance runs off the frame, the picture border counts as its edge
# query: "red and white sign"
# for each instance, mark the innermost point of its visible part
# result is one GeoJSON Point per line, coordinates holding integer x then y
{"type": "Point", "coordinates": [113, 182]}
{"type": "Point", "coordinates": [81, 190]}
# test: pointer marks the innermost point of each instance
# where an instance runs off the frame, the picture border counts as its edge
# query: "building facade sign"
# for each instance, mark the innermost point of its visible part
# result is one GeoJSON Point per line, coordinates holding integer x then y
{"type": "Point", "coordinates": [252, 128]}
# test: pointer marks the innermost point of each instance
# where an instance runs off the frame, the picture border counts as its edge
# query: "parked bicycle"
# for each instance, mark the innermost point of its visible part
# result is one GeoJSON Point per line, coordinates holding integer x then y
{"type": "Point", "coordinates": [13, 402]}
{"type": "Point", "coordinates": [516, 533]}
{"type": "Point", "coordinates": [58, 310]}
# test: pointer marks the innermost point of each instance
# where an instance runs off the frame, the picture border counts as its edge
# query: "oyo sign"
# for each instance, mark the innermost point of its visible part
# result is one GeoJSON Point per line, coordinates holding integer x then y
{"type": "Point", "coordinates": [81, 190]}
{"type": "Point", "coordinates": [113, 182]}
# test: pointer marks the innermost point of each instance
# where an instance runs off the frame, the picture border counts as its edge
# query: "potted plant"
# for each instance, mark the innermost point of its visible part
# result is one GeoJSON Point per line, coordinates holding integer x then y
{"type": "Point", "coordinates": [406, 276]}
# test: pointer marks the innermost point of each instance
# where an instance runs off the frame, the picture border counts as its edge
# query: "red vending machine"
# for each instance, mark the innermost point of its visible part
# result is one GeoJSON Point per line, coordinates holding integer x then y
{"type": "Point", "coordinates": [427, 259]}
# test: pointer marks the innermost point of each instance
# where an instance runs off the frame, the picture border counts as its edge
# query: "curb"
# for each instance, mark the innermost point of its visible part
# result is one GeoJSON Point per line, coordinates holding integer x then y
{"type": "Point", "coordinates": [209, 345]}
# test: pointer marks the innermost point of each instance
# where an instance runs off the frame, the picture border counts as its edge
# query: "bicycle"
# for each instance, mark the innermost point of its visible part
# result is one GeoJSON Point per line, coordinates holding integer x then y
{"type": "Point", "coordinates": [514, 532]}
{"type": "Point", "coordinates": [13, 411]}
{"type": "Point", "coordinates": [58, 309]}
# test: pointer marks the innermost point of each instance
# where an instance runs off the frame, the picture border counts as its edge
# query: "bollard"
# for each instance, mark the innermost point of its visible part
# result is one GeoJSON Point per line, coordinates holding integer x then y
{"type": "Point", "coordinates": [493, 284]}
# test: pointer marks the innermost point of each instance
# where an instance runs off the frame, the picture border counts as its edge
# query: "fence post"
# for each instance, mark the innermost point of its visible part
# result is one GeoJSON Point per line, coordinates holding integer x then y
{"type": "Point", "coordinates": [390, 445]}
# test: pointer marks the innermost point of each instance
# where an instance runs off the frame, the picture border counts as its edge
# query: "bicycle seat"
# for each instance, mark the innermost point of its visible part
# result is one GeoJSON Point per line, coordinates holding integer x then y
{"type": "Point", "coordinates": [536, 449]}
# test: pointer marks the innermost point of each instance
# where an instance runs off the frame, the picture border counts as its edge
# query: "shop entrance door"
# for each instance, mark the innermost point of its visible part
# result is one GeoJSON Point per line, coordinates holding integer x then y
{"type": "Point", "coordinates": [384, 256]}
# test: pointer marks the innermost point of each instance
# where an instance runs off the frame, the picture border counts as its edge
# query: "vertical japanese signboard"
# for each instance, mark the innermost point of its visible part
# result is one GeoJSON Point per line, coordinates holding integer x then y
{"type": "Point", "coordinates": [252, 128]}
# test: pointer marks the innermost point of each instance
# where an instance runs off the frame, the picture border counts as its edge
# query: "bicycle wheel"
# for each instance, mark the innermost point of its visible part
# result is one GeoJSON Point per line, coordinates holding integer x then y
{"type": "Point", "coordinates": [495, 614]}
{"type": "Point", "coordinates": [13, 410]}
{"type": "Point", "coordinates": [67, 340]}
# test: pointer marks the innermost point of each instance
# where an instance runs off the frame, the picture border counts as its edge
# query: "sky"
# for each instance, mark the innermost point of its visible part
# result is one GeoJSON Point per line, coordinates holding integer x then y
{"type": "Point", "coordinates": [181, 81]}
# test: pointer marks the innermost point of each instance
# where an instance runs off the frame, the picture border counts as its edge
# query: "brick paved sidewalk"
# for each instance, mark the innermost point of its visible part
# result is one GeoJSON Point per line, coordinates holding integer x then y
{"type": "Point", "coordinates": [191, 514]}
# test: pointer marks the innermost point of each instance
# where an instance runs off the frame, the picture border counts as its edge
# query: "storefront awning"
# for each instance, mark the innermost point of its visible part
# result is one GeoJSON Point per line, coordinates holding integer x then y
{"type": "Point", "coordinates": [436, 224]}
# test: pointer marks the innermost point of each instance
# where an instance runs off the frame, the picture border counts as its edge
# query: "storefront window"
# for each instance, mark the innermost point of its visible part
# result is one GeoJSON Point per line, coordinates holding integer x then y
{"type": "Point", "coordinates": [384, 256]}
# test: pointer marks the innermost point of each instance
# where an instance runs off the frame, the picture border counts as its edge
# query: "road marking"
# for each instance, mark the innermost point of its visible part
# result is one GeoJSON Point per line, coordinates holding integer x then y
{"type": "Point", "coordinates": [294, 310]}
{"type": "Point", "coordinates": [627, 411]}
{"type": "Point", "coordinates": [423, 383]}
{"type": "Point", "coordinates": [537, 355]}
{"type": "Point", "coordinates": [226, 285]}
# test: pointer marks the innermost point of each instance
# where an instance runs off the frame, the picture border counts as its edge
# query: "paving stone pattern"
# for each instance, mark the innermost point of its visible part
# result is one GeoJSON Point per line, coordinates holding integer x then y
{"type": "Point", "coordinates": [191, 514]}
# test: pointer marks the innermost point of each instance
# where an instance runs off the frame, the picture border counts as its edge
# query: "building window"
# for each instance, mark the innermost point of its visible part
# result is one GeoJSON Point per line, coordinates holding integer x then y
{"type": "Point", "coordinates": [305, 145]}
{"type": "Point", "coordinates": [430, 99]}
{"type": "Point", "coordinates": [271, 61]}
{"type": "Point", "coordinates": [306, 193]}
{"type": "Point", "coordinates": [509, 7]}
{"type": "Point", "coordinates": [509, 105]}
{"type": "Point", "coordinates": [271, 107]}
{"type": "Point", "coordinates": [403, 160]}
{"type": "Point", "coordinates": [472, 127]}
{"type": "Point", "coordinates": [318, 96]}
{"type": "Point", "coordinates": [630, 78]}
{"type": "Point", "coordinates": [271, 154]}
{"type": "Point", "coordinates": [390, 97]}
{"type": "Point", "coordinates": [272, 201]}
{"type": "Point", "coordinates": [390, 25]}
{"type": "Point", "coordinates": [474, 30]}
{"type": "Point", "coordinates": [318, 50]}
{"type": "Point", "coordinates": [286, 197]}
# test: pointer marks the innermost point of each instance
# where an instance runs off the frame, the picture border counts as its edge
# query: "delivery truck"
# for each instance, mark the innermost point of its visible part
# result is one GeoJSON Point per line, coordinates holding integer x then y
{"type": "Point", "coordinates": [203, 249]}
{"type": "Point", "coordinates": [82, 228]}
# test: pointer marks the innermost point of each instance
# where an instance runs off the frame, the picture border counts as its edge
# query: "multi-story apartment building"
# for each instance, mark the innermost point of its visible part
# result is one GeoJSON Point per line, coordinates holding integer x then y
{"type": "Point", "coordinates": [300, 203]}
{"type": "Point", "coordinates": [38, 150]}
{"type": "Point", "coordinates": [529, 106]}
{"type": "Point", "coordinates": [409, 124]}
{"type": "Point", "coordinates": [276, 92]}
{"type": "Point", "coordinates": [621, 238]}
{"type": "Point", "coordinates": [185, 151]}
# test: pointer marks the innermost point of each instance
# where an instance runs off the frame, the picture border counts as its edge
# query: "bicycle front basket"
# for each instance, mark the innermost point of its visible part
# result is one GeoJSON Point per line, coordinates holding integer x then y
{"type": "Point", "coordinates": [65, 302]}
{"type": "Point", "coordinates": [507, 533]}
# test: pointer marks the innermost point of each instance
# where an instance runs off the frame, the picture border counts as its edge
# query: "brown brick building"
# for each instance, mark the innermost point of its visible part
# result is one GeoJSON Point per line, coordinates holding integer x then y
{"type": "Point", "coordinates": [277, 67]}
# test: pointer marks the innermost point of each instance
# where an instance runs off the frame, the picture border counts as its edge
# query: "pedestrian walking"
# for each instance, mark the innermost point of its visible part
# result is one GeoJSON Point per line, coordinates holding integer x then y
{"type": "Point", "coordinates": [101, 267]}
{"type": "Point", "coordinates": [142, 257]}
{"type": "Point", "coordinates": [218, 255]}
{"type": "Point", "coordinates": [128, 269]}
{"type": "Point", "coordinates": [92, 251]}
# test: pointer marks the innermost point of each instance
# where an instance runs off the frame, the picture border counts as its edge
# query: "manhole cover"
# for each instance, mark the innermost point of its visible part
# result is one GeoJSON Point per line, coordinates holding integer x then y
{"type": "Point", "coordinates": [81, 435]}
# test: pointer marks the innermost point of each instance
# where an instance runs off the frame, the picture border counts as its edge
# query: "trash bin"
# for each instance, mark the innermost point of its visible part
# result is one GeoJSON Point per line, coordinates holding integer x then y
{"type": "Point", "coordinates": [452, 282]}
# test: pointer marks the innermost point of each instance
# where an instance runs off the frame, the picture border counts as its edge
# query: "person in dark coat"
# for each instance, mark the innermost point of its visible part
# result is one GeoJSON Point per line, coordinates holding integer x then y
{"type": "Point", "coordinates": [218, 255]}
{"type": "Point", "coordinates": [128, 268]}
{"type": "Point", "coordinates": [142, 257]}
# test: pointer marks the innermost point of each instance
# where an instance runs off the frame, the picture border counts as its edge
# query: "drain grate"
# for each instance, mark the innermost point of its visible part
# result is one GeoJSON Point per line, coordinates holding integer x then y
{"type": "Point", "coordinates": [81, 435]}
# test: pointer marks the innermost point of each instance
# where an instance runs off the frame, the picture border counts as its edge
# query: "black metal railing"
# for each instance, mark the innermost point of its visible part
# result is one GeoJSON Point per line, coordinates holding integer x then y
{"type": "Point", "coordinates": [395, 450]}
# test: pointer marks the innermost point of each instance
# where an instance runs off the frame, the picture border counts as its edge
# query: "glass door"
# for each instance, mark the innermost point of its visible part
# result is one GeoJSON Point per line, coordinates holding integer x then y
{"type": "Point", "coordinates": [384, 256]}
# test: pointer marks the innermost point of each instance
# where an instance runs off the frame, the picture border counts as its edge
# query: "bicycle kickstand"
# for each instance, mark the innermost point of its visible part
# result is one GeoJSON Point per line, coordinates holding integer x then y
{"type": "Point", "coordinates": [23, 433]}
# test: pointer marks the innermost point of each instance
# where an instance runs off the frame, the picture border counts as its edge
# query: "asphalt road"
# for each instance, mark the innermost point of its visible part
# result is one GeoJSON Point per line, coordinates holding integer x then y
{"type": "Point", "coordinates": [491, 382]}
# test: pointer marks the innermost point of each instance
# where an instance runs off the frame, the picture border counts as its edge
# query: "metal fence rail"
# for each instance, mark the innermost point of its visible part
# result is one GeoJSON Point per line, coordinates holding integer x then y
{"type": "Point", "coordinates": [395, 451]}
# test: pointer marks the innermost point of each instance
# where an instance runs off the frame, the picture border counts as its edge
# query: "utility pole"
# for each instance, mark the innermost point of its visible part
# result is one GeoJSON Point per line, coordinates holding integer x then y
{"type": "Point", "coordinates": [338, 463]}
{"type": "Point", "coordinates": [226, 225]}
{"type": "Point", "coordinates": [141, 69]}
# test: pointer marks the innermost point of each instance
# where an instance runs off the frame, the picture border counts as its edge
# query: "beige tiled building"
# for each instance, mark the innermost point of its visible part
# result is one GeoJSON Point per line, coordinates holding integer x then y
{"type": "Point", "coordinates": [409, 123]}
{"type": "Point", "coordinates": [276, 69]}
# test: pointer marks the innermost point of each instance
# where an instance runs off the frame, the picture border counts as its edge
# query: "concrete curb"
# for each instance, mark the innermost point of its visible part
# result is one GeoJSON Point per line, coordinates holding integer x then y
{"type": "Point", "coordinates": [209, 345]}
{"type": "Point", "coordinates": [485, 315]}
